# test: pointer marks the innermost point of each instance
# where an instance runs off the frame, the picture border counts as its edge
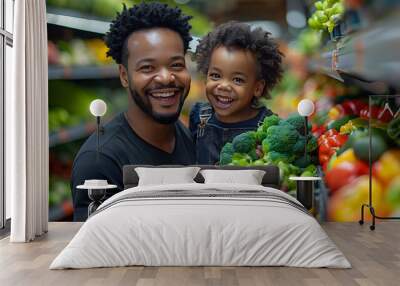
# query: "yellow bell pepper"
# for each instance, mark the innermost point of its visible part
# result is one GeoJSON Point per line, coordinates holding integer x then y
{"type": "Point", "coordinates": [387, 167]}
{"type": "Point", "coordinates": [346, 156]}
{"type": "Point", "coordinates": [345, 204]}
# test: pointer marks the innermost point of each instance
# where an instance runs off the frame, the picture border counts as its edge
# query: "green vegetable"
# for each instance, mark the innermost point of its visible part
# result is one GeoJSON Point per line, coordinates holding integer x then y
{"type": "Point", "coordinates": [361, 147]}
{"type": "Point", "coordinates": [298, 122]}
{"type": "Point", "coordinates": [336, 124]}
{"type": "Point", "coordinates": [303, 161]}
{"type": "Point", "coordinates": [239, 159]}
{"type": "Point", "coordinates": [269, 121]}
{"type": "Point", "coordinates": [393, 130]}
{"type": "Point", "coordinates": [225, 156]}
{"type": "Point", "coordinates": [282, 138]}
{"type": "Point", "coordinates": [245, 142]}
{"type": "Point", "coordinates": [312, 143]}
{"type": "Point", "coordinates": [276, 157]}
{"type": "Point", "coordinates": [260, 134]}
{"type": "Point", "coordinates": [253, 155]}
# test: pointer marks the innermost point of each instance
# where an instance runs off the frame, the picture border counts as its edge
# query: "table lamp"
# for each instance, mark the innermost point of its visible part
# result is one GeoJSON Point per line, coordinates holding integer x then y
{"type": "Point", "coordinates": [98, 108]}
{"type": "Point", "coordinates": [305, 108]}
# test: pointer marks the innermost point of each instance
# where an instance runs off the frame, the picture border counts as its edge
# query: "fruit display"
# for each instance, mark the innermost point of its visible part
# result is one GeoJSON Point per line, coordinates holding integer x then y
{"type": "Point", "coordinates": [326, 15]}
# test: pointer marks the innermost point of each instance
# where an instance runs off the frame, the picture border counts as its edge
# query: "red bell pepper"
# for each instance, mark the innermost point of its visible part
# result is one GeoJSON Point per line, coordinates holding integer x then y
{"type": "Point", "coordinates": [376, 113]}
{"type": "Point", "coordinates": [329, 143]}
{"type": "Point", "coordinates": [348, 107]}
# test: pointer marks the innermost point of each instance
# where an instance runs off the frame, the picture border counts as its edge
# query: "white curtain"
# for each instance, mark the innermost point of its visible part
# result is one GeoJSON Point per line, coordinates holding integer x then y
{"type": "Point", "coordinates": [27, 149]}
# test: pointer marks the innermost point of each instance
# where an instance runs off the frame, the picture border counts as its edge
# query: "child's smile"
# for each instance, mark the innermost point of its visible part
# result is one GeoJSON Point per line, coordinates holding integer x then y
{"type": "Point", "coordinates": [232, 84]}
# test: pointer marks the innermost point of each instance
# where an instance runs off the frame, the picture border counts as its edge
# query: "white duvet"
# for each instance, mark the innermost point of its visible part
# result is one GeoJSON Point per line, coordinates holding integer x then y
{"type": "Point", "coordinates": [207, 230]}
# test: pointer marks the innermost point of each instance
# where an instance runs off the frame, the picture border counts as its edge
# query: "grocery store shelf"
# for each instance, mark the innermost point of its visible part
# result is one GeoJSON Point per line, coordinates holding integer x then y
{"type": "Point", "coordinates": [71, 134]}
{"type": "Point", "coordinates": [75, 20]}
{"type": "Point", "coordinates": [83, 72]}
{"type": "Point", "coordinates": [371, 54]}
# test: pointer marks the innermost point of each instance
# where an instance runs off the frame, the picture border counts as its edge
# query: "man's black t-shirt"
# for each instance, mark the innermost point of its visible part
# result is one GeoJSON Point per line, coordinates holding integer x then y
{"type": "Point", "coordinates": [119, 146]}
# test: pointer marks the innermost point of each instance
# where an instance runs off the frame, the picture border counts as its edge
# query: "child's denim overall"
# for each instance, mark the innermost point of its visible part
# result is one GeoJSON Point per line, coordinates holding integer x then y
{"type": "Point", "coordinates": [211, 137]}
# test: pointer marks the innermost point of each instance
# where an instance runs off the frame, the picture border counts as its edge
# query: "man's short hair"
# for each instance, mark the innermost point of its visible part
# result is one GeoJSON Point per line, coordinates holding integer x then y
{"type": "Point", "coordinates": [140, 17]}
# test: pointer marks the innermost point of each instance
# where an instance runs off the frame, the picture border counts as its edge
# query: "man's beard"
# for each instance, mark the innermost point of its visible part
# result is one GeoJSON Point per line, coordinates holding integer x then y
{"type": "Point", "coordinates": [147, 108]}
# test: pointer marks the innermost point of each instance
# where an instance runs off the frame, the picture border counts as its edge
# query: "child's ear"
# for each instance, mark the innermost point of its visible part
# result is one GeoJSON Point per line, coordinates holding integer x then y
{"type": "Point", "coordinates": [123, 76]}
{"type": "Point", "coordinates": [260, 85]}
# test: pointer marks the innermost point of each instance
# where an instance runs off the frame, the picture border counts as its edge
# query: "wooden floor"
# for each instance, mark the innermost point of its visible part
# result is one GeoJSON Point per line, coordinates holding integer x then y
{"type": "Point", "coordinates": [374, 255]}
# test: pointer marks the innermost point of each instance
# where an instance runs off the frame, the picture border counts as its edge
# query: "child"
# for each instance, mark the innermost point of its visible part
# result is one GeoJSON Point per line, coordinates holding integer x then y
{"type": "Point", "coordinates": [241, 65]}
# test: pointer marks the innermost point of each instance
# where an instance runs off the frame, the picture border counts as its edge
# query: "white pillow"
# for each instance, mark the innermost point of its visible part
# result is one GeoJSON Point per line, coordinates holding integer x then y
{"type": "Point", "coordinates": [248, 177]}
{"type": "Point", "coordinates": [163, 176]}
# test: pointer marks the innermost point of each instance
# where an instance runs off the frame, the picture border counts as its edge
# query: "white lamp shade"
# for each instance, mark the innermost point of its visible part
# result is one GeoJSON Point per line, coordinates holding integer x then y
{"type": "Point", "coordinates": [98, 107]}
{"type": "Point", "coordinates": [305, 107]}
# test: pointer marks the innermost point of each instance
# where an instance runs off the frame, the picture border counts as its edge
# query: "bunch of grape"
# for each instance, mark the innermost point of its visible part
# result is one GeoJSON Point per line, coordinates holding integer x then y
{"type": "Point", "coordinates": [327, 13]}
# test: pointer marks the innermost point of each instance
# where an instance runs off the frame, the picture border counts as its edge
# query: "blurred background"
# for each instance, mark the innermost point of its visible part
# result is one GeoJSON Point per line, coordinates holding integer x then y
{"type": "Point", "coordinates": [337, 53]}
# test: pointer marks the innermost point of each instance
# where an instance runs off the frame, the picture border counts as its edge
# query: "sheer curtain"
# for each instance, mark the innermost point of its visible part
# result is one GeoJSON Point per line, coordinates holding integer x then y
{"type": "Point", "coordinates": [26, 124]}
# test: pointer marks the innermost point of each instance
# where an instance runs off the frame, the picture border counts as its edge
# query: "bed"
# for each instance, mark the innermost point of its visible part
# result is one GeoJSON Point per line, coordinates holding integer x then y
{"type": "Point", "coordinates": [201, 224]}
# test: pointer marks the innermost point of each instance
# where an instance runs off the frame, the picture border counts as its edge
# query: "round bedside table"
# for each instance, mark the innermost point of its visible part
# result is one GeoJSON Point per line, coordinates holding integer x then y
{"type": "Point", "coordinates": [96, 192]}
{"type": "Point", "coordinates": [305, 190]}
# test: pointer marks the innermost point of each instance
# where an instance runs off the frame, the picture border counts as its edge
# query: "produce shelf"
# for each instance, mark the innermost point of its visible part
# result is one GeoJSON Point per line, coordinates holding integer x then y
{"type": "Point", "coordinates": [83, 72]}
{"type": "Point", "coordinates": [371, 54]}
{"type": "Point", "coordinates": [71, 134]}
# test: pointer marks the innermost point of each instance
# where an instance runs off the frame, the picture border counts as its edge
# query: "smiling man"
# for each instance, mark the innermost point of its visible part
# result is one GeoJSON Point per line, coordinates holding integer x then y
{"type": "Point", "coordinates": [149, 42]}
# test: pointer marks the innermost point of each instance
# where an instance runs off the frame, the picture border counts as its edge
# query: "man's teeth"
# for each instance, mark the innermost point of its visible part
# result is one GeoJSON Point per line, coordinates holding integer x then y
{"type": "Point", "coordinates": [163, 94]}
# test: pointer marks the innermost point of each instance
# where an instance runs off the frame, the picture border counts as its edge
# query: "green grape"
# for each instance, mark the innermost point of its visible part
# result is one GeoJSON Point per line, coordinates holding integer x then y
{"type": "Point", "coordinates": [338, 8]}
{"type": "Point", "coordinates": [322, 18]}
{"type": "Point", "coordinates": [318, 5]}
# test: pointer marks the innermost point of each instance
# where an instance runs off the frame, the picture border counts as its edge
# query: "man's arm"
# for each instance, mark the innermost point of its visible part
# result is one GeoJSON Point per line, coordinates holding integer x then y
{"type": "Point", "coordinates": [87, 166]}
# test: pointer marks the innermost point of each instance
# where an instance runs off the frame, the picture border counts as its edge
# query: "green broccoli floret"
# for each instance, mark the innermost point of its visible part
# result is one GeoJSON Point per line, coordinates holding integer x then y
{"type": "Point", "coordinates": [253, 155]}
{"type": "Point", "coordinates": [239, 159]}
{"type": "Point", "coordinates": [300, 145]}
{"type": "Point", "coordinates": [281, 138]}
{"type": "Point", "coordinates": [265, 146]}
{"type": "Point", "coordinates": [225, 156]}
{"type": "Point", "coordinates": [269, 121]}
{"type": "Point", "coordinates": [260, 134]}
{"type": "Point", "coordinates": [312, 143]}
{"type": "Point", "coordinates": [303, 161]}
{"type": "Point", "coordinates": [309, 171]}
{"type": "Point", "coordinates": [297, 121]}
{"type": "Point", "coordinates": [276, 157]}
{"type": "Point", "coordinates": [245, 142]}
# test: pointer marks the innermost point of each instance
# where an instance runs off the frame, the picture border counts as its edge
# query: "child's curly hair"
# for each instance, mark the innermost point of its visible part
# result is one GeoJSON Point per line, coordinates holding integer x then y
{"type": "Point", "coordinates": [240, 35]}
{"type": "Point", "coordinates": [144, 16]}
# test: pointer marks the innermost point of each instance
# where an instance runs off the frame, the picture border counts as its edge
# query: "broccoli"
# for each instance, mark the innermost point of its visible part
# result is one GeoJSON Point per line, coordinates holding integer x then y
{"type": "Point", "coordinates": [253, 154]}
{"type": "Point", "coordinates": [245, 142]}
{"type": "Point", "coordinates": [309, 171]}
{"type": "Point", "coordinates": [312, 143]}
{"type": "Point", "coordinates": [286, 171]}
{"type": "Point", "coordinates": [225, 156]}
{"type": "Point", "coordinates": [269, 121]}
{"type": "Point", "coordinates": [300, 145]}
{"type": "Point", "coordinates": [265, 146]}
{"type": "Point", "coordinates": [260, 134]}
{"type": "Point", "coordinates": [281, 138]}
{"type": "Point", "coordinates": [297, 121]}
{"type": "Point", "coordinates": [303, 161]}
{"type": "Point", "coordinates": [276, 157]}
{"type": "Point", "coordinates": [239, 159]}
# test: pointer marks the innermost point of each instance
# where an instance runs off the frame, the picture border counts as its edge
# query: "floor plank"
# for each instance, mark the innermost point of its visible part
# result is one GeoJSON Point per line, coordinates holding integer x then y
{"type": "Point", "coordinates": [374, 255]}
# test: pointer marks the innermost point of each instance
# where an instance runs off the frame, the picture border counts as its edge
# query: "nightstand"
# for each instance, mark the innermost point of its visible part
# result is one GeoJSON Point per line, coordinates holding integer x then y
{"type": "Point", "coordinates": [305, 190]}
{"type": "Point", "coordinates": [96, 191]}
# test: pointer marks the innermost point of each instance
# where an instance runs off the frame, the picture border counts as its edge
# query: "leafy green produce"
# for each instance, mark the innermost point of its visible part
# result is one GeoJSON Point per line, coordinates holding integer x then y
{"type": "Point", "coordinates": [245, 142]}
{"type": "Point", "coordinates": [274, 142]}
{"type": "Point", "coordinates": [361, 147]}
{"type": "Point", "coordinates": [327, 13]}
{"type": "Point", "coordinates": [393, 130]}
